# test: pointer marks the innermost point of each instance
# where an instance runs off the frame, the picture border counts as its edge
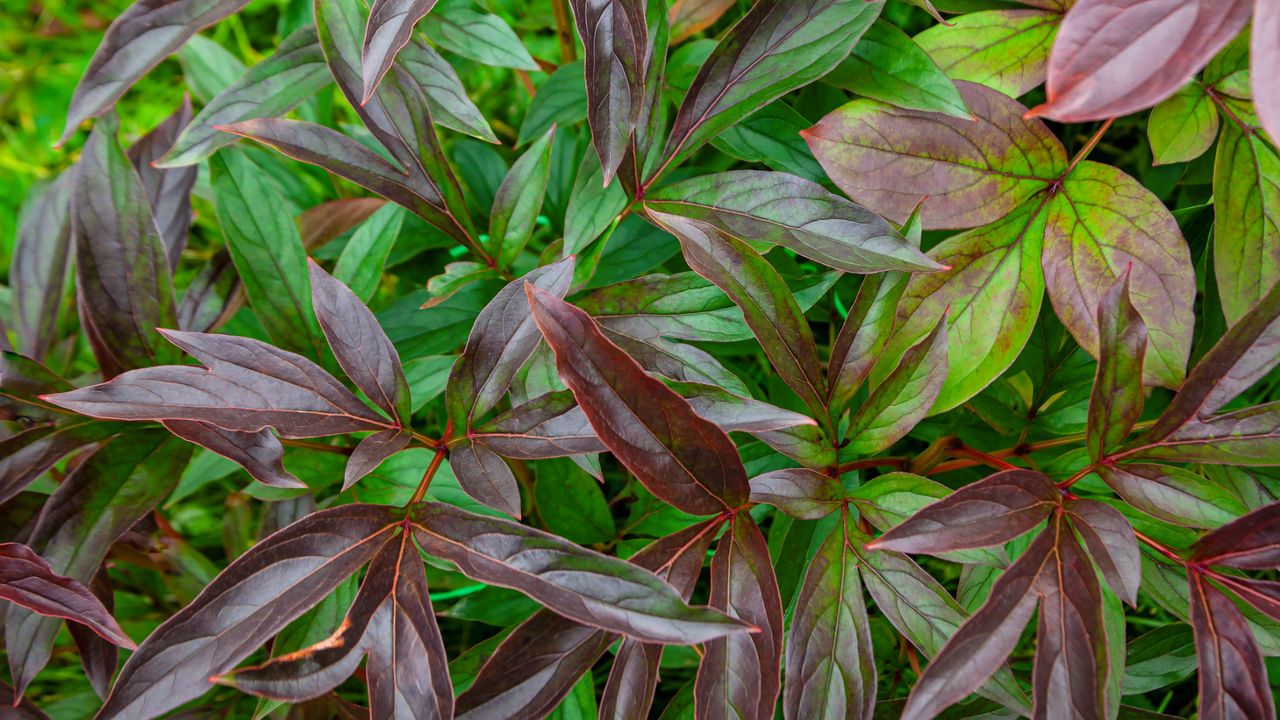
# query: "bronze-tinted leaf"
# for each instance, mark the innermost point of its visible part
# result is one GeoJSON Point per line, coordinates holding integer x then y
{"type": "Point", "coordinates": [260, 453]}
{"type": "Point", "coordinates": [168, 190]}
{"type": "Point", "coordinates": [486, 477]}
{"type": "Point", "coordinates": [27, 455]}
{"type": "Point", "coordinates": [615, 40]}
{"type": "Point", "coordinates": [904, 397]}
{"type": "Point", "coordinates": [799, 492]}
{"type": "Point", "coordinates": [1251, 542]}
{"type": "Point", "coordinates": [863, 336]}
{"type": "Point", "coordinates": [1112, 544]}
{"type": "Point", "coordinates": [1233, 679]}
{"type": "Point", "coordinates": [680, 457]}
{"type": "Point", "coordinates": [390, 28]}
{"type": "Point", "coordinates": [26, 579]}
{"type": "Point", "coordinates": [1116, 401]}
{"type": "Point", "coordinates": [39, 266]}
{"type": "Point", "coordinates": [370, 453]}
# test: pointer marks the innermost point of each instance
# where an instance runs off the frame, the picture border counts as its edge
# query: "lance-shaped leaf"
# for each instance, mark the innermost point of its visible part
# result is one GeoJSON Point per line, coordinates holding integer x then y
{"type": "Point", "coordinates": [677, 455]}
{"type": "Point", "coordinates": [575, 582]}
{"type": "Point", "coordinates": [483, 37]}
{"type": "Point", "coordinates": [739, 674]}
{"type": "Point", "coordinates": [1182, 127]}
{"type": "Point", "coordinates": [1172, 494]}
{"type": "Point", "coordinates": [775, 48]}
{"type": "Point", "coordinates": [389, 29]}
{"type": "Point", "coordinates": [1245, 354]}
{"type": "Point", "coordinates": [831, 671]}
{"type": "Point", "coordinates": [211, 296]}
{"type": "Point", "coordinates": [615, 39]}
{"type": "Point", "coordinates": [767, 304]}
{"type": "Point", "coordinates": [644, 149]}
{"type": "Point", "coordinates": [1246, 208]}
{"type": "Point", "coordinates": [267, 251]}
{"type": "Point", "coordinates": [681, 306]}
{"type": "Point", "coordinates": [370, 453]}
{"type": "Point", "coordinates": [782, 209]}
{"type": "Point", "coordinates": [1116, 401]}
{"type": "Point", "coordinates": [359, 344]}
{"type": "Point", "coordinates": [1249, 437]}
{"type": "Point", "coordinates": [890, 499]}
{"type": "Point", "coordinates": [290, 75]}
{"type": "Point", "coordinates": [99, 657]}
{"type": "Point", "coordinates": [989, 512]}
{"type": "Point", "coordinates": [863, 336]}
{"type": "Point", "coordinates": [904, 397]}
{"type": "Point", "coordinates": [486, 477]}
{"type": "Point", "coordinates": [1100, 224]}
{"type": "Point", "coordinates": [1261, 594]}
{"type": "Point", "coordinates": [889, 66]}
{"type": "Point", "coordinates": [502, 339]}
{"type": "Point", "coordinates": [1112, 544]}
{"type": "Point", "coordinates": [39, 267]}
{"type": "Point", "coordinates": [248, 385]}
{"type": "Point", "coordinates": [1006, 50]}
{"type": "Point", "coordinates": [27, 455]}
{"type": "Point", "coordinates": [972, 172]}
{"type": "Point", "coordinates": [983, 642]}
{"type": "Point", "coordinates": [1251, 542]}
{"type": "Point", "coordinates": [93, 507]}
{"type": "Point", "coordinates": [254, 598]}
{"type": "Point", "coordinates": [22, 382]}
{"type": "Point", "coordinates": [136, 41]}
{"type": "Point", "coordinates": [799, 492]}
{"type": "Point", "coordinates": [448, 99]}
{"type": "Point", "coordinates": [550, 425]}
{"type": "Point", "coordinates": [259, 453]}
{"type": "Point", "coordinates": [26, 579]}
{"type": "Point", "coordinates": [1233, 679]}
{"type": "Point", "coordinates": [519, 201]}
{"type": "Point", "coordinates": [122, 272]}
{"type": "Point", "coordinates": [1089, 80]}
{"type": "Point", "coordinates": [168, 190]}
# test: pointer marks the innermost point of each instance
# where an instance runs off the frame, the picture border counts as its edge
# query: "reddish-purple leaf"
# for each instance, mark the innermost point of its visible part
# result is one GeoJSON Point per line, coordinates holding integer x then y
{"type": "Point", "coordinates": [989, 512]}
{"type": "Point", "coordinates": [1112, 544]}
{"type": "Point", "coordinates": [581, 584]}
{"type": "Point", "coordinates": [739, 674]}
{"type": "Point", "coordinates": [1116, 57]}
{"type": "Point", "coordinates": [260, 453]}
{"type": "Point", "coordinates": [502, 338]}
{"type": "Point", "coordinates": [370, 453]}
{"type": "Point", "coordinates": [26, 579]}
{"type": "Point", "coordinates": [253, 599]}
{"type": "Point", "coordinates": [1233, 678]}
{"type": "Point", "coordinates": [550, 425]}
{"type": "Point", "coordinates": [615, 39]}
{"type": "Point", "coordinates": [168, 190]}
{"type": "Point", "coordinates": [798, 492]}
{"type": "Point", "coordinates": [27, 455]}
{"type": "Point", "coordinates": [485, 476]}
{"type": "Point", "coordinates": [98, 656]}
{"type": "Point", "coordinates": [972, 173]}
{"type": "Point", "coordinates": [359, 344]}
{"type": "Point", "coordinates": [248, 385]}
{"type": "Point", "coordinates": [1172, 494]}
{"type": "Point", "coordinates": [39, 267]}
{"type": "Point", "coordinates": [1261, 594]}
{"type": "Point", "coordinates": [677, 455]}
{"type": "Point", "coordinates": [864, 334]}
{"type": "Point", "coordinates": [1264, 53]}
{"type": "Point", "coordinates": [1116, 402]}
{"type": "Point", "coordinates": [389, 29]}
{"type": "Point", "coordinates": [1251, 542]}
{"type": "Point", "coordinates": [1244, 437]}
{"type": "Point", "coordinates": [137, 40]}
{"type": "Point", "coordinates": [831, 671]}
{"type": "Point", "coordinates": [904, 397]}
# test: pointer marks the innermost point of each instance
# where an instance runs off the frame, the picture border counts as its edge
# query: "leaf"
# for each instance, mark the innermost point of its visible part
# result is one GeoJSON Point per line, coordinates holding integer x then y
{"type": "Point", "coordinates": [561, 100]}
{"type": "Point", "coordinates": [326, 222]}
{"type": "Point", "coordinates": [800, 493]}
{"type": "Point", "coordinates": [486, 477]}
{"type": "Point", "coordinates": [363, 258]}
{"type": "Point", "coordinates": [26, 579]}
{"type": "Point", "coordinates": [27, 455]}
{"type": "Point", "coordinates": [136, 41]}
{"type": "Point", "coordinates": [1160, 658]}
{"type": "Point", "coordinates": [370, 453]}
{"type": "Point", "coordinates": [1172, 494]}
{"type": "Point", "coordinates": [390, 28]}
{"type": "Point", "coordinates": [1249, 437]}
{"type": "Point", "coordinates": [482, 37]}
{"type": "Point", "coordinates": [972, 173]}
{"type": "Point", "coordinates": [681, 458]}
{"type": "Point", "coordinates": [775, 48]}
{"type": "Point", "coordinates": [1089, 80]}
{"type": "Point", "coordinates": [122, 272]}
{"type": "Point", "coordinates": [767, 304]}
{"type": "Point", "coordinates": [1117, 398]}
{"type": "Point", "coordinates": [863, 337]}
{"type": "Point", "coordinates": [89, 511]}
{"type": "Point", "coordinates": [565, 577]}
{"type": "Point", "coordinates": [1263, 53]}
{"type": "Point", "coordinates": [450, 105]}
{"type": "Point", "coordinates": [887, 65]}
{"type": "Point", "coordinates": [771, 136]}
{"type": "Point", "coordinates": [248, 385]}
{"type": "Point", "coordinates": [831, 670]}
{"type": "Point", "coordinates": [780, 209]}
{"type": "Point", "coordinates": [989, 512]}
{"type": "Point", "coordinates": [572, 505]}
{"type": "Point", "coordinates": [739, 674]}
{"type": "Point", "coordinates": [888, 500]}
{"type": "Point", "coordinates": [168, 191]}
{"type": "Point", "coordinates": [290, 75]}
{"type": "Point", "coordinates": [547, 426]}
{"type": "Point", "coordinates": [1005, 50]}
{"type": "Point", "coordinates": [1251, 542]}
{"type": "Point", "coordinates": [502, 339]}
{"type": "Point", "coordinates": [259, 453]}
{"type": "Point", "coordinates": [904, 397]}
{"type": "Point", "coordinates": [1183, 126]}
{"type": "Point", "coordinates": [39, 265]}
{"type": "Point", "coordinates": [267, 251]}
{"type": "Point", "coordinates": [256, 596]}
{"type": "Point", "coordinates": [22, 382]}
{"type": "Point", "coordinates": [359, 343]}
{"type": "Point", "coordinates": [1111, 543]}
{"type": "Point", "coordinates": [1233, 679]}
{"type": "Point", "coordinates": [614, 39]}
{"type": "Point", "coordinates": [1246, 194]}
{"type": "Point", "coordinates": [1102, 222]}
{"type": "Point", "coordinates": [98, 657]}
{"type": "Point", "coordinates": [690, 17]}
{"type": "Point", "coordinates": [519, 201]}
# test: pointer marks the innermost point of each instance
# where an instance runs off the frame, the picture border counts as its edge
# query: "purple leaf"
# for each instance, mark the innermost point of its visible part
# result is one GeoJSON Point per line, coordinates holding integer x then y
{"type": "Point", "coordinates": [903, 398]}
{"type": "Point", "coordinates": [27, 455]}
{"type": "Point", "coordinates": [168, 190]}
{"type": "Point", "coordinates": [1233, 678]}
{"type": "Point", "coordinates": [39, 267]}
{"type": "Point", "coordinates": [615, 40]}
{"type": "Point", "coordinates": [26, 579]}
{"type": "Point", "coordinates": [798, 492]}
{"type": "Point", "coordinates": [98, 656]}
{"type": "Point", "coordinates": [260, 453]}
{"type": "Point", "coordinates": [389, 29]}
{"type": "Point", "coordinates": [485, 476]}
{"type": "Point", "coordinates": [1112, 544]}
{"type": "Point", "coordinates": [370, 453]}
{"type": "Point", "coordinates": [1251, 542]}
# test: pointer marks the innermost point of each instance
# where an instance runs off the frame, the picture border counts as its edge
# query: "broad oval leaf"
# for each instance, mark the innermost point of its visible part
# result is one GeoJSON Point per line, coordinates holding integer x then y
{"type": "Point", "coordinates": [1183, 126]}
{"type": "Point", "coordinates": [1005, 50]}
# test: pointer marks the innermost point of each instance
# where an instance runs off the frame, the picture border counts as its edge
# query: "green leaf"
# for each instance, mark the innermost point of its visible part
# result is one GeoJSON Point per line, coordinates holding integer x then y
{"type": "Point", "coordinates": [771, 136]}
{"type": "Point", "coordinates": [363, 258]}
{"type": "Point", "coordinates": [1246, 206]}
{"type": "Point", "coordinates": [482, 37]}
{"type": "Point", "coordinates": [887, 65]}
{"type": "Point", "coordinates": [1173, 494]}
{"type": "Point", "coordinates": [208, 68]}
{"type": "Point", "coordinates": [904, 397]}
{"type": "Point", "coordinates": [1116, 401]}
{"type": "Point", "coordinates": [1159, 658]}
{"type": "Point", "coordinates": [571, 504]}
{"type": "Point", "coordinates": [593, 207]}
{"type": "Point", "coordinates": [1006, 50]}
{"type": "Point", "coordinates": [561, 100]}
{"type": "Point", "coordinates": [450, 105]}
{"type": "Point", "coordinates": [519, 201]}
{"type": "Point", "coordinates": [1182, 127]}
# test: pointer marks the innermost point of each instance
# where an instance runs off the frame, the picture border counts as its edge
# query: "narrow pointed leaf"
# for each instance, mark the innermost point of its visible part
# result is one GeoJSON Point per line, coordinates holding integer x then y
{"type": "Point", "coordinates": [390, 28]}
{"type": "Point", "coordinates": [800, 493]}
{"type": "Point", "coordinates": [98, 657]}
{"type": "Point", "coordinates": [486, 477]}
{"type": "Point", "coordinates": [1233, 679]}
{"type": "Point", "coordinates": [1249, 437]}
{"type": "Point", "coordinates": [259, 453]}
{"type": "Point", "coordinates": [168, 190]}
{"type": "Point", "coordinates": [27, 455]}
{"type": "Point", "coordinates": [26, 579]}
{"type": "Point", "coordinates": [39, 267]}
{"type": "Point", "coordinates": [482, 37]}
{"type": "Point", "coordinates": [863, 336]}
{"type": "Point", "coordinates": [1116, 401]}
{"type": "Point", "coordinates": [1111, 543]}
{"type": "Point", "coordinates": [1251, 542]}
{"type": "Point", "coordinates": [519, 201]}
{"type": "Point", "coordinates": [889, 66]}
{"type": "Point", "coordinates": [904, 397]}
{"type": "Point", "coordinates": [450, 105]}
{"type": "Point", "coordinates": [615, 40]}
{"type": "Point", "coordinates": [370, 453]}
{"type": "Point", "coordinates": [550, 425]}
